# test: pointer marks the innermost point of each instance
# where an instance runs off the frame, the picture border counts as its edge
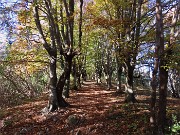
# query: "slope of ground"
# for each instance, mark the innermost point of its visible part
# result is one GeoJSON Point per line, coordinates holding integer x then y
{"type": "Point", "coordinates": [93, 110]}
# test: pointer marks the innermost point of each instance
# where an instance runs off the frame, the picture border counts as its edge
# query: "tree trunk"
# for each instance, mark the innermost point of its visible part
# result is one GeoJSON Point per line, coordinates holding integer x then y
{"type": "Point", "coordinates": [68, 64]}
{"type": "Point", "coordinates": [60, 86]}
{"type": "Point", "coordinates": [77, 84]}
{"type": "Point", "coordinates": [98, 76]}
{"type": "Point", "coordinates": [74, 74]}
{"type": "Point", "coordinates": [108, 66]}
{"type": "Point", "coordinates": [163, 80]}
{"type": "Point", "coordinates": [119, 73]}
{"type": "Point", "coordinates": [119, 68]}
{"type": "Point", "coordinates": [79, 72]}
{"type": "Point", "coordinates": [79, 79]}
{"type": "Point", "coordinates": [109, 81]}
{"type": "Point", "coordinates": [75, 87]}
{"type": "Point", "coordinates": [171, 43]}
{"type": "Point", "coordinates": [53, 98]}
{"type": "Point", "coordinates": [130, 97]}
{"type": "Point", "coordinates": [174, 93]}
{"type": "Point", "coordinates": [163, 73]}
{"type": "Point", "coordinates": [131, 57]}
{"type": "Point", "coordinates": [154, 84]}
{"type": "Point", "coordinates": [57, 40]}
{"type": "Point", "coordinates": [62, 80]}
{"type": "Point", "coordinates": [120, 35]}
{"type": "Point", "coordinates": [66, 88]}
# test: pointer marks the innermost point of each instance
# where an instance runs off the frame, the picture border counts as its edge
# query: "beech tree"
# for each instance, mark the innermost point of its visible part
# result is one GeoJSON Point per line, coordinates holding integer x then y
{"type": "Point", "coordinates": [163, 73]}
{"type": "Point", "coordinates": [163, 70]}
{"type": "Point", "coordinates": [78, 64]}
{"type": "Point", "coordinates": [61, 41]}
{"type": "Point", "coordinates": [162, 55]}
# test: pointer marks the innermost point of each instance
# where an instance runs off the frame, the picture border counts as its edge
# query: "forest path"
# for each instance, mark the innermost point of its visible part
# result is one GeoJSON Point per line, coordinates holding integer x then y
{"type": "Point", "coordinates": [94, 100]}
{"type": "Point", "coordinates": [89, 105]}
{"type": "Point", "coordinates": [93, 110]}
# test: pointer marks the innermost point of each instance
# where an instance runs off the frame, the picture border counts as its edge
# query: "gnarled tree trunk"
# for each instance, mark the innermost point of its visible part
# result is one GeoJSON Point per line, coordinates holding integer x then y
{"type": "Point", "coordinates": [130, 96]}
{"type": "Point", "coordinates": [53, 97]}
{"type": "Point", "coordinates": [57, 40]}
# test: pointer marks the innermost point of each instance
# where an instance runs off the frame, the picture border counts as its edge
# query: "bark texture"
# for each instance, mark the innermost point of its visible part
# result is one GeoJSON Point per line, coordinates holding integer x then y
{"type": "Point", "coordinates": [163, 72]}
{"type": "Point", "coordinates": [58, 39]}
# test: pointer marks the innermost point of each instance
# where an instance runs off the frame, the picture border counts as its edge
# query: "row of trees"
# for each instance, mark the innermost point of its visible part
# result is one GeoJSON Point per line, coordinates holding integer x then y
{"type": "Point", "coordinates": [100, 38]}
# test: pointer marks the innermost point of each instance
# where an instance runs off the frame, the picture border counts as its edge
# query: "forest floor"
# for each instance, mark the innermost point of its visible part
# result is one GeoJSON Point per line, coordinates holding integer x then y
{"type": "Point", "coordinates": [93, 110]}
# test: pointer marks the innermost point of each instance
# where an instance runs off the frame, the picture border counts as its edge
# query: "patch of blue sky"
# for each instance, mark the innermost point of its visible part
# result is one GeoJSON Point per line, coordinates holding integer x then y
{"type": "Point", "coordinates": [144, 58]}
{"type": "Point", "coordinates": [5, 16]}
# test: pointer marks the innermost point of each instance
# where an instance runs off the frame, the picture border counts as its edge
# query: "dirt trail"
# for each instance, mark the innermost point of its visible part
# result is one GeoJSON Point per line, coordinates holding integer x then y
{"type": "Point", "coordinates": [88, 105]}
{"type": "Point", "coordinates": [93, 110]}
{"type": "Point", "coordinates": [93, 100]}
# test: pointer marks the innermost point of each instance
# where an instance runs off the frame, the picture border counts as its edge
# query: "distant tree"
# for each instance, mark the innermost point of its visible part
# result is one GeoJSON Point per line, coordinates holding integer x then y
{"type": "Point", "coordinates": [132, 50]}
{"type": "Point", "coordinates": [78, 63]}
{"type": "Point", "coordinates": [98, 62]}
{"type": "Point", "coordinates": [107, 59]}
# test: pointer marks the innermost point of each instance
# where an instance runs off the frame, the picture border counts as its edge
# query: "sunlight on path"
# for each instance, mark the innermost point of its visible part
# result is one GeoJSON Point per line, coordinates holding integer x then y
{"type": "Point", "coordinates": [90, 104]}
{"type": "Point", "coordinates": [93, 110]}
{"type": "Point", "coordinates": [93, 101]}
